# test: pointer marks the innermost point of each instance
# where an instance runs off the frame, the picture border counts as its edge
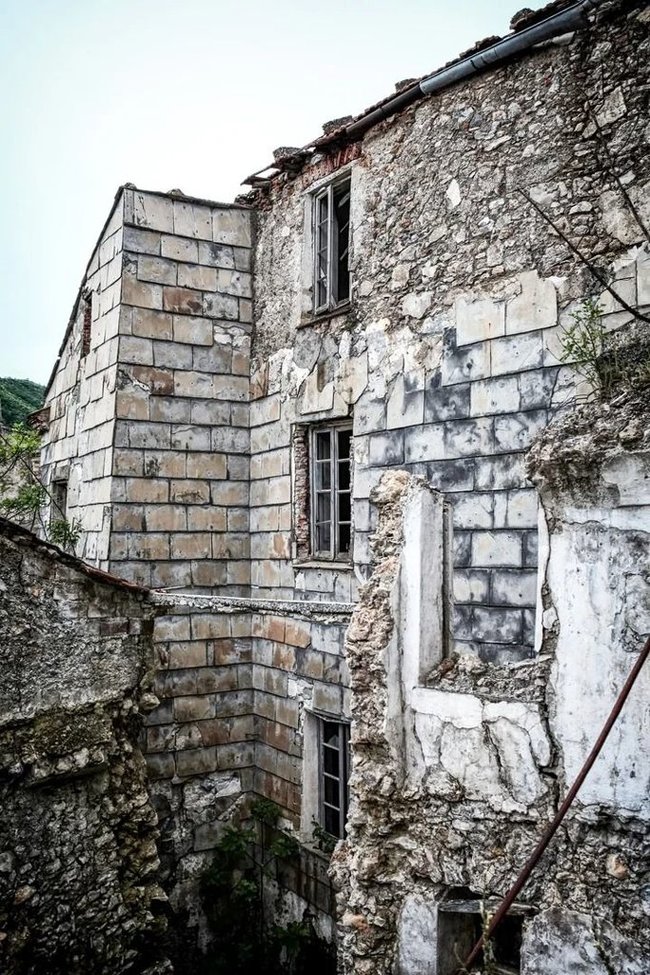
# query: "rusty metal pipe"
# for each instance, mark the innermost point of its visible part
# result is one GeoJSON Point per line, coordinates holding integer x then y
{"type": "Point", "coordinates": [551, 829]}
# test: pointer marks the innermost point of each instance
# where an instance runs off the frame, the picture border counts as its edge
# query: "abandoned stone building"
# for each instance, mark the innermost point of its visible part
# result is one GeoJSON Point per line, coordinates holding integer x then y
{"type": "Point", "coordinates": [303, 422]}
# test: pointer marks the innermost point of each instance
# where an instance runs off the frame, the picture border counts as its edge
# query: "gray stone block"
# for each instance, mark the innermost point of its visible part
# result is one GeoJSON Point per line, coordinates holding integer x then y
{"type": "Point", "coordinates": [512, 587]}
{"type": "Point", "coordinates": [490, 396]}
{"type": "Point", "coordinates": [386, 449]}
{"type": "Point", "coordinates": [530, 549]}
{"type": "Point", "coordinates": [471, 586]}
{"type": "Point", "coordinates": [469, 363]}
{"type": "Point", "coordinates": [501, 473]}
{"type": "Point", "coordinates": [536, 388]}
{"type": "Point", "coordinates": [446, 403]}
{"type": "Point", "coordinates": [475, 510]}
{"type": "Point", "coordinates": [464, 438]}
{"type": "Point", "coordinates": [496, 548]}
{"type": "Point", "coordinates": [517, 353]}
{"type": "Point", "coordinates": [462, 549]}
{"type": "Point", "coordinates": [451, 475]}
{"type": "Point", "coordinates": [517, 432]}
{"type": "Point", "coordinates": [488, 624]}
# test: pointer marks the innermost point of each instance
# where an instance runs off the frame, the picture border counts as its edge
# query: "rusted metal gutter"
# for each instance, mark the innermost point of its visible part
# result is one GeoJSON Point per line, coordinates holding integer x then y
{"type": "Point", "coordinates": [551, 829]}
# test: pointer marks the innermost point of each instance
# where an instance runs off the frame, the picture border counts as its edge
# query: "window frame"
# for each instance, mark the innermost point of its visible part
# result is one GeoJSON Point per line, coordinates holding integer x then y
{"type": "Point", "coordinates": [342, 777]}
{"type": "Point", "coordinates": [331, 299]}
{"type": "Point", "coordinates": [334, 553]}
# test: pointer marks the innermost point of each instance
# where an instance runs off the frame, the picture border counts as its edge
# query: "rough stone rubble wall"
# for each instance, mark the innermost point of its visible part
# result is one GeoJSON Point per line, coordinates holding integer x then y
{"type": "Point", "coordinates": [448, 359]}
{"type": "Point", "coordinates": [79, 868]}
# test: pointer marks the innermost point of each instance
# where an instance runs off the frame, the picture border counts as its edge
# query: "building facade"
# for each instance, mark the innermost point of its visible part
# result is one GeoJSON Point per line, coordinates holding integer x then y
{"type": "Point", "coordinates": [234, 385]}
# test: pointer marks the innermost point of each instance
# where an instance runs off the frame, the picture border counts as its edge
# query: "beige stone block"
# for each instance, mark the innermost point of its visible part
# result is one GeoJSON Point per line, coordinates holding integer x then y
{"type": "Point", "coordinates": [207, 465]}
{"type": "Point", "coordinates": [233, 283]}
{"type": "Point", "coordinates": [535, 307]}
{"type": "Point", "coordinates": [241, 363]}
{"type": "Point", "coordinates": [148, 546]}
{"type": "Point", "coordinates": [137, 350]}
{"type": "Point", "coordinates": [230, 546]}
{"type": "Point", "coordinates": [189, 437]}
{"type": "Point", "coordinates": [189, 492]}
{"type": "Point", "coordinates": [156, 270]}
{"type": "Point", "coordinates": [147, 489]}
{"type": "Point", "coordinates": [165, 518]}
{"type": "Point", "coordinates": [192, 220]}
{"type": "Point", "coordinates": [141, 293]}
{"type": "Point", "coordinates": [171, 628]}
{"type": "Point", "coordinates": [164, 463]}
{"type": "Point", "coordinates": [183, 655]}
{"type": "Point", "coordinates": [127, 518]}
{"type": "Point", "coordinates": [127, 462]}
{"type": "Point", "coordinates": [195, 384]}
{"type": "Point", "coordinates": [478, 320]}
{"type": "Point", "coordinates": [197, 276]}
{"type": "Point", "coordinates": [182, 301]}
{"type": "Point", "coordinates": [238, 573]}
{"type": "Point", "coordinates": [191, 545]}
{"type": "Point", "coordinates": [196, 761]}
{"type": "Point", "coordinates": [192, 330]}
{"type": "Point", "coordinates": [230, 493]}
{"type": "Point", "coordinates": [206, 519]}
{"type": "Point", "coordinates": [220, 306]}
{"type": "Point", "coordinates": [141, 241]}
{"type": "Point", "coordinates": [238, 520]}
{"type": "Point", "coordinates": [158, 382]}
{"type": "Point", "coordinates": [231, 387]}
{"type": "Point", "coordinates": [153, 212]}
{"type": "Point", "coordinates": [171, 575]}
{"type": "Point", "coordinates": [245, 310]}
{"type": "Point", "coordinates": [179, 249]}
{"type": "Point", "coordinates": [231, 227]}
{"type": "Point", "coordinates": [132, 404]}
{"type": "Point", "coordinates": [194, 708]}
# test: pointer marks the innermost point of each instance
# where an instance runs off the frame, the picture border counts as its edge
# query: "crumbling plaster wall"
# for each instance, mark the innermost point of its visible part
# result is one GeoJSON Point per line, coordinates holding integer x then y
{"type": "Point", "coordinates": [79, 870]}
{"type": "Point", "coordinates": [448, 358]}
{"type": "Point", "coordinates": [455, 777]}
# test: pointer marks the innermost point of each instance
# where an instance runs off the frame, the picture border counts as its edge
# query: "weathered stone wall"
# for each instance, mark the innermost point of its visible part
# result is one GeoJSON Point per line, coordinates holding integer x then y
{"type": "Point", "coordinates": [448, 357]}
{"type": "Point", "coordinates": [79, 870]}
{"type": "Point", "coordinates": [78, 445]}
{"type": "Point", "coordinates": [456, 775]}
{"type": "Point", "coordinates": [180, 476]}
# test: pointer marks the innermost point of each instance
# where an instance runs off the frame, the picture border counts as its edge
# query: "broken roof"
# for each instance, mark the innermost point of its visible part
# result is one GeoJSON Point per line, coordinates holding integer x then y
{"type": "Point", "coordinates": [350, 128]}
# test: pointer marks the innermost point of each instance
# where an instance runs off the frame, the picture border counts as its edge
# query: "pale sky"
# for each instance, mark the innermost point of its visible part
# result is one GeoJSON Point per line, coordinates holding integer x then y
{"type": "Point", "coordinates": [193, 94]}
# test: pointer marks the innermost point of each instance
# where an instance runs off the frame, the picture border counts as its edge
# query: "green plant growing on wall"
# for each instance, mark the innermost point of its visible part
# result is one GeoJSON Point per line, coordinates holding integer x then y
{"type": "Point", "coordinates": [234, 892]}
{"type": "Point", "coordinates": [583, 346]}
{"type": "Point", "coordinates": [23, 496]}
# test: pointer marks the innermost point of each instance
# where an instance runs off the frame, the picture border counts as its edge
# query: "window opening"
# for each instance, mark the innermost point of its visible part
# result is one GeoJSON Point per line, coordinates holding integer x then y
{"type": "Point", "coordinates": [331, 246]}
{"type": "Point", "coordinates": [59, 495]}
{"type": "Point", "coordinates": [333, 768]}
{"type": "Point", "coordinates": [331, 499]}
{"type": "Point", "coordinates": [87, 324]}
{"type": "Point", "coordinates": [460, 924]}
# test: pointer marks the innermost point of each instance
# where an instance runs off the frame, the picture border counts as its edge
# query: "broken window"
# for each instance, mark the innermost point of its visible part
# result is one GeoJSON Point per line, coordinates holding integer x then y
{"type": "Point", "coordinates": [331, 240]}
{"type": "Point", "coordinates": [59, 495]}
{"type": "Point", "coordinates": [330, 492]}
{"type": "Point", "coordinates": [461, 920]}
{"type": "Point", "coordinates": [87, 324]}
{"type": "Point", "coordinates": [333, 776]}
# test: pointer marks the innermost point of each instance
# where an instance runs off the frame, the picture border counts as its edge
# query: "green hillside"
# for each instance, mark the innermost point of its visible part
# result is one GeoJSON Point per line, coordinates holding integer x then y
{"type": "Point", "coordinates": [18, 397]}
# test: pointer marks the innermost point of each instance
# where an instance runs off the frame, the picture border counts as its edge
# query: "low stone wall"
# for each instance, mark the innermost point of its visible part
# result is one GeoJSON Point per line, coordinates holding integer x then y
{"type": "Point", "coordinates": [79, 868]}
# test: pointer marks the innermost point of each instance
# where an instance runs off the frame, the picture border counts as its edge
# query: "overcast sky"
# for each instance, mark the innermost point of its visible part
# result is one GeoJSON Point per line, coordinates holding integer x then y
{"type": "Point", "coordinates": [193, 94]}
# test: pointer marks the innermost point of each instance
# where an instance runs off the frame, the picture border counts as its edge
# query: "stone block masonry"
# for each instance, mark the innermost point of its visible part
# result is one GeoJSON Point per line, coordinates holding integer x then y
{"type": "Point", "coordinates": [181, 469]}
